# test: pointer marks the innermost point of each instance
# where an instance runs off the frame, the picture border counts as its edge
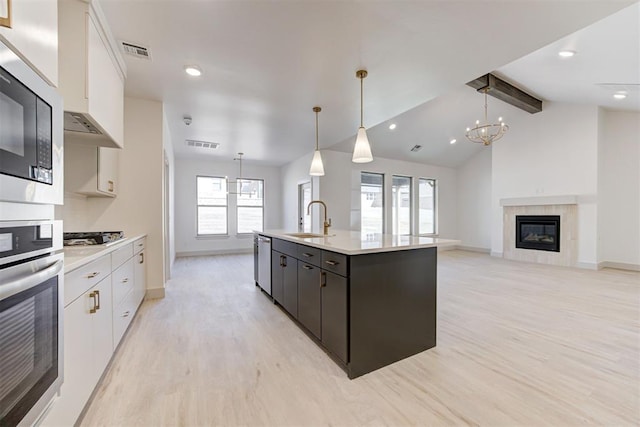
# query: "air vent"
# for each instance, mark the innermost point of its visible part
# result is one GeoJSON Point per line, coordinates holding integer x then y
{"type": "Point", "coordinates": [620, 87]}
{"type": "Point", "coordinates": [416, 148]}
{"type": "Point", "coordinates": [77, 122]}
{"type": "Point", "coordinates": [202, 144]}
{"type": "Point", "coordinates": [136, 50]}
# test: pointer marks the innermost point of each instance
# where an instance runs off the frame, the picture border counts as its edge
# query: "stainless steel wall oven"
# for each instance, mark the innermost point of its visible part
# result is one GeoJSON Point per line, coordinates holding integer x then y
{"type": "Point", "coordinates": [31, 308]}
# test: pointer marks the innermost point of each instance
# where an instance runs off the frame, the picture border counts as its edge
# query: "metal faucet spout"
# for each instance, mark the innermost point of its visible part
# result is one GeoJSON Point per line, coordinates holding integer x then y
{"type": "Point", "coordinates": [327, 222]}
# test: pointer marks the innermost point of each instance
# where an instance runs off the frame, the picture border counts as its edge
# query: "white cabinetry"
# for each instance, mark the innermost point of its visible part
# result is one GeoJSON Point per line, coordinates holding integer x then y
{"type": "Point", "coordinates": [140, 268]}
{"type": "Point", "coordinates": [90, 170]}
{"type": "Point", "coordinates": [101, 299]}
{"type": "Point", "coordinates": [92, 75]}
{"type": "Point", "coordinates": [88, 339]}
{"type": "Point", "coordinates": [34, 34]}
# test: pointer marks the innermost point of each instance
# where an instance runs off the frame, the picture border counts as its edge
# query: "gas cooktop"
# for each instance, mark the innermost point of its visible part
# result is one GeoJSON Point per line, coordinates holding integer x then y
{"type": "Point", "coordinates": [92, 238]}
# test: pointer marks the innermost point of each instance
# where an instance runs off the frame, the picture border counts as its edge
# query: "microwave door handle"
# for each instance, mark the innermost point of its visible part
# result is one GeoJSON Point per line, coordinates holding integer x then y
{"type": "Point", "coordinates": [29, 280]}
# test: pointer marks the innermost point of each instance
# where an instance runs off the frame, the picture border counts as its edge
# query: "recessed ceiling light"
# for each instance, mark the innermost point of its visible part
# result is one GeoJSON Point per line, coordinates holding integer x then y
{"type": "Point", "coordinates": [392, 126]}
{"type": "Point", "coordinates": [620, 95]}
{"type": "Point", "coordinates": [567, 53]}
{"type": "Point", "coordinates": [193, 70]}
{"type": "Point", "coordinates": [453, 141]}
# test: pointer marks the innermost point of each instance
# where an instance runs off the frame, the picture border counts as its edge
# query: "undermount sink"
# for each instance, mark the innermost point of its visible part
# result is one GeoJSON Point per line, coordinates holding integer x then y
{"type": "Point", "coordinates": [304, 235]}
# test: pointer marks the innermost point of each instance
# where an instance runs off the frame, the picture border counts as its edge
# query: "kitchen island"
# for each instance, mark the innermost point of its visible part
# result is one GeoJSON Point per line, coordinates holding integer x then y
{"type": "Point", "coordinates": [368, 300]}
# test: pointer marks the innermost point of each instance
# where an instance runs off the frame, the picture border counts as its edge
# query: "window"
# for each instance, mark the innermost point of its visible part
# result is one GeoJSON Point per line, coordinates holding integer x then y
{"type": "Point", "coordinates": [427, 206]}
{"type": "Point", "coordinates": [371, 203]}
{"type": "Point", "coordinates": [212, 205]}
{"type": "Point", "coordinates": [250, 206]}
{"type": "Point", "coordinates": [401, 204]}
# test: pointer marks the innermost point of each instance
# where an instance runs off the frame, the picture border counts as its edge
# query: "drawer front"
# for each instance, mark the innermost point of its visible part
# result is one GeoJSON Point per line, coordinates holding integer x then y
{"type": "Point", "coordinates": [285, 247]}
{"type": "Point", "coordinates": [139, 245]}
{"type": "Point", "coordinates": [122, 315]}
{"type": "Point", "coordinates": [334, 262]}
{"type": "Point", "coordinates": [122, 281]}
{"type": "Point", "coordinates": [119, 256]}
{"type": "Point", "coordinates": [310, 255]}
{"type": "Point", "coordinates": [84, 278]}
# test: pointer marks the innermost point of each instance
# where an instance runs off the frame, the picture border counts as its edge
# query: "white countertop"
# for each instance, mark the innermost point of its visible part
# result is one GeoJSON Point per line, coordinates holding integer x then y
{"type": "Point", "coordinates": [355, 243]}
{"type": "Point", "coordinates": [77, 256]}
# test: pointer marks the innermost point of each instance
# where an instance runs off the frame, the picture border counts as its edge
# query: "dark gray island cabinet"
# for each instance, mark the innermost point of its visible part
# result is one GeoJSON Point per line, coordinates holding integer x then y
{"type": "Point", "coordinates": [367, 307]}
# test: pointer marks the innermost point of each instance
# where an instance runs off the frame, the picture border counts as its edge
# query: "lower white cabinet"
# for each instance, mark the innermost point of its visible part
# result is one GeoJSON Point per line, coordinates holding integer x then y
{"type": "Point", "coordinates": [101, 299]}
{"type": "Point", "coordinates": [88, 347]}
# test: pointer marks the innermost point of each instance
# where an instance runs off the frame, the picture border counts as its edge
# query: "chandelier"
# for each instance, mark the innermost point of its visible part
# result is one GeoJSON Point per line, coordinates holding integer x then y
{"type": "Point", "coordinates": [237, 184]}
{"type": "Point", "coordinates": [485, 132]}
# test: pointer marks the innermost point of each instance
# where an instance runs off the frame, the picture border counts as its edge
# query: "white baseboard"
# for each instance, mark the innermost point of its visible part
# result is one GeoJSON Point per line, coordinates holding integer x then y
{"type": "Point", "coordinates": [587, 265]}
{"type": "Point", "coordinates": [496, 254]}
{"type": "Point", "coordinates": [619, 266]}
{"type": "Point", "coordinates": [215, 252]}
{"type": "Point", "coordinates": [474, 249]}
{"type": "Point", "coordinates": [154, 293]}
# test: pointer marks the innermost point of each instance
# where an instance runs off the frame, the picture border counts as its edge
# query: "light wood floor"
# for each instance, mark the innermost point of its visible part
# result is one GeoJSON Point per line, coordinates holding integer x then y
{"type": "Point", "coordinates": [518, 345]}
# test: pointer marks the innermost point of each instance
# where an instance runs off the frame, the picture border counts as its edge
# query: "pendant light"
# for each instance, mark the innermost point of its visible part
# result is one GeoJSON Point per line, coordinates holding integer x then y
{"type": "Point", "coordinates": [362, 150]}
{"type": "Point", "coordinates": [317, 168]}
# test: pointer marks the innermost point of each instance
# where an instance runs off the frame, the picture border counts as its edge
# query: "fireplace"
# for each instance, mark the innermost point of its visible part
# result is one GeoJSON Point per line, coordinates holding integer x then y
{"type": "Point", "coordinates": [541, 232]}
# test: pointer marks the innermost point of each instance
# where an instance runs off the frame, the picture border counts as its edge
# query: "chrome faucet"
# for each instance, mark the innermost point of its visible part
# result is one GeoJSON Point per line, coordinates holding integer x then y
{"type": "Point", "coordinates": [327, 222]}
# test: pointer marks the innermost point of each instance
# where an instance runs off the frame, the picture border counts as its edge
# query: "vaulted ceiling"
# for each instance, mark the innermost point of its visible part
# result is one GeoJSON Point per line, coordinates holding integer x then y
{"type": "Point", "coordinates": [267, 63]}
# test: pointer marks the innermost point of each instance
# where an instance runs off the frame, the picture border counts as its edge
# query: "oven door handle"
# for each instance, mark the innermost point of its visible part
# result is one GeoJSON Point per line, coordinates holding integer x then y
{"type": "Point", "coordinates": [30, 279]}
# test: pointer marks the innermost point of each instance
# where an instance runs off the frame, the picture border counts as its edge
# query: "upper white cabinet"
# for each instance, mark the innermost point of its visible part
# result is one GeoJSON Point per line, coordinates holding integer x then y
{"type": "Point", "coordinates": [34, 35]}
{"type": "Point", "coordinates": [92, 74]}
{"type": "Point", "coordinates": [90, 170]}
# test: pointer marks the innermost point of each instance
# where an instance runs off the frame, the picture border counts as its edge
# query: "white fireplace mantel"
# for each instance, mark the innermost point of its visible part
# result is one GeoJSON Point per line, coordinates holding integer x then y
{"type": "Point", "coordinates": [540, 201]}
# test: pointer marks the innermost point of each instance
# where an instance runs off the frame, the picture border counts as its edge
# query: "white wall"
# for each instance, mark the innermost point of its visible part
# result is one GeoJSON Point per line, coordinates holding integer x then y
{"type": "Point", "coordinates": [474, 201]}
{"type": "Point", "coordinates": [619, 188]}
{"type": "Point", "coordinates": [293, 174]}
{"type": "Point", "coordinates": [137, 209]}
{"type": "Point", "coordinates": [186, 170]}
{"type": "Point", "coordinates": [554, 152]}
{"type": "Point", "coordinates": [340, 188]}
{"type": "Point", "coordinates": [168, 220]}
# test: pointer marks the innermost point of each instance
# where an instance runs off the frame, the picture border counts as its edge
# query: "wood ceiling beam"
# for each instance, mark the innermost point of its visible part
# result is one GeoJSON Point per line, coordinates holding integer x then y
{"type": "Point", "coordinates": [506, 92]}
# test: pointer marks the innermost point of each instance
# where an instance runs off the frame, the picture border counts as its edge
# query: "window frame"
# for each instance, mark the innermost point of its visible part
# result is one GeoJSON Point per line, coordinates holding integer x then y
{"type": "Point", "coordinates": [238, 205]}
{"type": "Point", "coordinates": [384, 198]}
{"type": "Point", "coordinates": [226, 206]}
{"type": "Point", "coordinates": [434, 207]}
{"type": "Point", "coordinates": [411, 203]}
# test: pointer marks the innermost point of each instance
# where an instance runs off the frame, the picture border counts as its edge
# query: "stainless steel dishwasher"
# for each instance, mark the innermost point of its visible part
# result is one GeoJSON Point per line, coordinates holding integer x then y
{"type": "Point", "coordinates": [264, 263]}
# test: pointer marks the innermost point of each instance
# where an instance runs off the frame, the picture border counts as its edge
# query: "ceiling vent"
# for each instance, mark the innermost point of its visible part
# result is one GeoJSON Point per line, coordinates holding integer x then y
{"type": "Point", "coordinates": [136, 50]}
{"type": "Point", "coordinates": [202, 144]}
{"type": "Point", "coordinates": [416, 148]}
{"type": "Point", "coordinates": [620, 87]}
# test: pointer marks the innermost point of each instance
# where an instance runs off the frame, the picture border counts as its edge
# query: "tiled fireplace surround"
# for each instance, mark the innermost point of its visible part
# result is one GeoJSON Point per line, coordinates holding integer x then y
{"type": "Point", "coordinates": [565, 206]}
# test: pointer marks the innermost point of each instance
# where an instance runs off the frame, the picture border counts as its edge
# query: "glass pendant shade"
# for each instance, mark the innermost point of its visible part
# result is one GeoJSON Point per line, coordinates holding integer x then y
{"type": "Point", "coordinates": [362, 150]}
{"type": "Point", "coordinates": [317, 168]}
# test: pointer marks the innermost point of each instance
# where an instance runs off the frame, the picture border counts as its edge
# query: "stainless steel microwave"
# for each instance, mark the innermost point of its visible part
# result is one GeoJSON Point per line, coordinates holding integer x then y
{"type": "Point", "coordinates": [31, 134]}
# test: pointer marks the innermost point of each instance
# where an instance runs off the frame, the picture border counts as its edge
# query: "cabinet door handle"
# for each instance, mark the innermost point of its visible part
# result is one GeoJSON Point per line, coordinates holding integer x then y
{"type": "Point", "coordinates": [141, 258]}
{"type": "Point", "coordinates": [92, 310]}
{"type": "Point", "coordinates": [140, 244]}
{"type": "Point", "coordinates": [92, 275]}
{"type": "Point", "coordinates": [333, 263]}
{"type": "Point", "coordinates": [307, 267]}
{"type": "Point", "coordinates": [284, 261]}
{"type": "Point", "coordinates": [110, 186]}
{"type": "Point", "coordinates": [307, 254]}
{"type": "Point", "coordinates": [126, 313]}
{"type": "Point", "coordinates": [98, 295]}
{"type": "Point", "coordinates": [323, 279]}
{"type": "Point", "coordinates": [125, 280]}
{"type": "Point", "coordinates": [281, 261]}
